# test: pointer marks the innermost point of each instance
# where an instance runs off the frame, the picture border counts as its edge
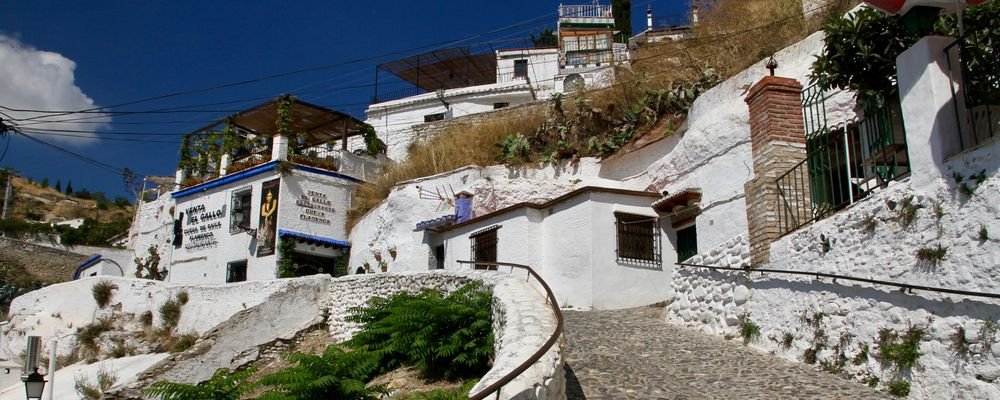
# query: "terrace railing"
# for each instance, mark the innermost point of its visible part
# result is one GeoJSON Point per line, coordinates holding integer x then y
{"type": "Point", "coordinates": [416, 91]}
{"type": "Point", "coordinates": [842, 165]}
{"type": "Point", "coordinates": [972, 61]}
{"type": "Point", "coordinates": [585, 11]}
{"type": "Point", "coordinates": [338, 160]}
{"type": "Point", "coordinates": [550, 299]}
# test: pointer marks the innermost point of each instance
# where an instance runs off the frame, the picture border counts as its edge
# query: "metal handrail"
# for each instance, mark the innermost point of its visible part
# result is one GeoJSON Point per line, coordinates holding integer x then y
{"type": "Point", "coordinates": [551, 299]}
{"type": "Point", "coordinates": [905, 286]}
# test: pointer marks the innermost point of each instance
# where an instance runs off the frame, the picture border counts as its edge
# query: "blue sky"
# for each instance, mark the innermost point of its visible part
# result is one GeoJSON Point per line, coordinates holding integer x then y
{"type": "Point", "coordinates": [69, 55]}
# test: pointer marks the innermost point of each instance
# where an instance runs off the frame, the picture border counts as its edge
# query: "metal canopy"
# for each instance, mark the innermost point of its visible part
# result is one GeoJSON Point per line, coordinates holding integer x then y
{"type": "Point", "coordinates": [449, 68]}
{"type": "Point", "coordinates": [319, 124]}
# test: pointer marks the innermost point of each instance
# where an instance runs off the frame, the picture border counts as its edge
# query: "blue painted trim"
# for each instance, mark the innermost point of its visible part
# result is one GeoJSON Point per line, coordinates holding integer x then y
{"type": "Point", "coordinates": [313, 238]}
{"type": "Point", "coordinates": [260, 169]}
{"type": "Point", "coordinates": [225, 180]}
{"type": "Point", "coordinates": [90, 261]}
{"type": "Point", "coordinates": [327, 173]}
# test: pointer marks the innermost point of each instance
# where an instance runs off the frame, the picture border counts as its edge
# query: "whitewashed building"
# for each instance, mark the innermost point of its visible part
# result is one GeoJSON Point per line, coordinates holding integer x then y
{"type": "Point", "coordinates": [598, 247]}
{"type": "Point", "coordinates": [227, 222]}
{"type": "Point", "coordinates": [454, 82]}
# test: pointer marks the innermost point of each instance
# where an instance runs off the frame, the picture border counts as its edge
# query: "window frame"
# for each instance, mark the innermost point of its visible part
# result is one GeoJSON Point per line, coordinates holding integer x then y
{"type": "Point", "coordinates": [521, 68]}
{"type": "Point", "coordinates": [229, 270]}
{"type": "Point", "coordinates": [434, 117]}
{"type": "Point", "coordinates": [638, 239]}
{"type": "Point", "coordinates": [246, 209]}
{"type": "Point", "coordinates": [683, 253]}
{"type": "Point", "coordinates": [484, 243]}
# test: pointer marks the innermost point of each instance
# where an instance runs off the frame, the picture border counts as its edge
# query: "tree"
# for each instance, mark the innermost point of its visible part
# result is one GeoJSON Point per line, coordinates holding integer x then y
{"type": "Point", "coordinates": [69, 188]}
{"type": "Point", "coordinates": [546, 38]}
{"type": "Point", "coordinates": [45, 182]}
{"type": "Point", "coordinates": [58, 186]}
{"type": "Point", "coordinates": [622, 10]}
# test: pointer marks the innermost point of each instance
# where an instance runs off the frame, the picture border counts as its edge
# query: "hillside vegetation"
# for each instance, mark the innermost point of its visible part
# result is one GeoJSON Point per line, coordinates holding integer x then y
{"type": "Point", "coordinates": [650, 97]}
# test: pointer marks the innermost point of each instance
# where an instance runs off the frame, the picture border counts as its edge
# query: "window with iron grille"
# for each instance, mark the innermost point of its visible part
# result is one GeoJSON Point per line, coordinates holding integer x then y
{"type": "Point", "coordinates": [520, 68]}
{"type": "Point", "coordinates": [484, 246]}
{"type": "Point", "coordinates": [239, 217]}
{"type": "Point", "coordinates": [638, 239]}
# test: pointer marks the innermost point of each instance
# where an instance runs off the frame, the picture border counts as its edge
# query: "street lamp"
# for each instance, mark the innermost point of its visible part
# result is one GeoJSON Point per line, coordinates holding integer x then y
{"type": "Point", "coordinates": [34, 384]}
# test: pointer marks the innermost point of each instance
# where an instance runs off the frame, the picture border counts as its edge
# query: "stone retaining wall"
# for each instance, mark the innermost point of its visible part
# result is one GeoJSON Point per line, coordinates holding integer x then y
{"type": "Point", "coordinates": [522, 323]}
{"type": "Point", "coordinates": [42, 263]}
{"type": "Point", "coordinates": [836, 324]}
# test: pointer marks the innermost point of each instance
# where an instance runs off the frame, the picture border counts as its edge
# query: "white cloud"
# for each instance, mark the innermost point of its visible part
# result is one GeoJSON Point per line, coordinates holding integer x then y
{"type": "Point", "coordinates": [42, 80]}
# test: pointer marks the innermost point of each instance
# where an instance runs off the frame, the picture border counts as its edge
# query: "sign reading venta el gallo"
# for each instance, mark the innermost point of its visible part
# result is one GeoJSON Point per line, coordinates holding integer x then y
{"type": "Point", "coordinates": [201, 224]}
{"type": "Point", "coordinates": [314, 205]}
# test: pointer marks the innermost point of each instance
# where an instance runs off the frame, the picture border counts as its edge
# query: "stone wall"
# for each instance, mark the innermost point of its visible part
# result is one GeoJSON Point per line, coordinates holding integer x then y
{"type": "Point", "coordinates": [832, 322]}
{"type": "Point", "coordinates": [522, 323]}
{"type": "Point", "coordinates": [42, 263]}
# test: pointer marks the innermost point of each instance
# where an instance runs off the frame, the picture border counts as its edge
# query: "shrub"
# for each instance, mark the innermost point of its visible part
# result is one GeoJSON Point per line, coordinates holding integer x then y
{"type": "Point", "coordinates": [748, 329]}
{"type": "Point", "coordinates": [102, 292]}
{"type": "Point", "coordinates": [223, 385]}
{"type": "Point", "coordinates": [459, 393]}
{"type": "Point", "coordinates": [184, 342]}
{"type": "Point", "coordinates": [932, 255]}
{"type": "Point", "coordinates": [984, 234]}
{"type": "Point", "coordinates": [88, 336]}
{"type": "Point", "coordinates": [122, 349]}
{"type": "Point", "coordinates": [88, 391]}
{"type": "Point", "coordinates": [183, 297]}
{"type": "Point", "coordinates": [903, 351]}
{"type": "Point", "coordinates": [334, 375]}
{"type": "Point", "coordinates": [899, 388]}
{"type": "Point", "coordinates": [170, 313]}
{"type": "Point", "coordinates": [442, 336]}
{"type": "Point", "coordinates": [786, 341]}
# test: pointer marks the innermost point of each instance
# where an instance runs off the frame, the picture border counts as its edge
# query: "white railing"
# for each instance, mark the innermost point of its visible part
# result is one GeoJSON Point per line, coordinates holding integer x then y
{"type": "Point", "coordinates": [342, 161]}
{"type": "Point", "coordinates": [585, 11]}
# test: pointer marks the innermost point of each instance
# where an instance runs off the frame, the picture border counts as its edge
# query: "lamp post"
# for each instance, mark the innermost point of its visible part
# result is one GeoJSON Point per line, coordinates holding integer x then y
{"type": "Point", "coordinates": [34, 384]}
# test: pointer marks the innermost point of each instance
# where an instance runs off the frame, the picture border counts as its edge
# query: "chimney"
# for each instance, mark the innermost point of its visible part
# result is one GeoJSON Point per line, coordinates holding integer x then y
{"type": "Point", "coordinates": [463, 206]}
{"type": "Point", "coordinates": [694, 15]}
{"type": "Point", "coordinates": [649, 18]}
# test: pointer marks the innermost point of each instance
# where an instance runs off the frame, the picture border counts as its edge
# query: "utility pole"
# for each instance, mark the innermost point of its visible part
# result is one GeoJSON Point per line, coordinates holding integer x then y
{"type": "Point", "coordinates": [7, 194]}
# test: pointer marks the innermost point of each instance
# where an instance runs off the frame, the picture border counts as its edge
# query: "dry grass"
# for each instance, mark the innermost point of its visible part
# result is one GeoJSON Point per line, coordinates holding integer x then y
{"type": "Point", "coordinates": [731, 35]}
{"type": "Point", "coordinates": [52, 205]}
{"type": "Point", "coordinates": [460, 145]}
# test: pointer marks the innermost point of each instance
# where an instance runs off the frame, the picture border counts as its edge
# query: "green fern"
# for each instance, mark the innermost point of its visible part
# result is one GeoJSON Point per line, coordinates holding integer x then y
{"type": "Point", "coordinates": [334, 375]}
{"type": "Point", "coordinates": [443, 337]}
{"type": "Point", "coordinates": [224, 385]}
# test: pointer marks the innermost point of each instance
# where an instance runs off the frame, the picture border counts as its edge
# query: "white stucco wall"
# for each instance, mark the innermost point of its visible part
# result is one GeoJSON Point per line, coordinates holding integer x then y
{"type": "Point", "coordinates": [152, 226]}
{"type": "Point", "coordinates": [394, 119]}
{"type": "Point", "coordinates": [777, 303]}
{"type": "Point", "coordinates": [192, 264]}
{"type": "Point", "coordinates": [543, 66]}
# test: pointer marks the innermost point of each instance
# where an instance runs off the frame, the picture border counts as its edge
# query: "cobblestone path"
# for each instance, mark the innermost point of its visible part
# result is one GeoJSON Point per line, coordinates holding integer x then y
{"type": "Point", "coordinates": [635, 354]}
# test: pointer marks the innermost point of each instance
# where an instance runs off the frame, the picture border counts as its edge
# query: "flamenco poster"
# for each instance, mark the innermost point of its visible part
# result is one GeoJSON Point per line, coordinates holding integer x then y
{"type": "Point", "coordinates": [266, 230]}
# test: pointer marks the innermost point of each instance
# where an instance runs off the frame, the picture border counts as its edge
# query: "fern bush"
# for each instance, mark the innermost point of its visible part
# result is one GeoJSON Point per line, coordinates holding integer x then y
{"type": "Point", "coordinates": [334, 375]}
{"type": "Point", "coordinates": [224, 385]}
{"type": "Point", "coordinates": [442, 336]}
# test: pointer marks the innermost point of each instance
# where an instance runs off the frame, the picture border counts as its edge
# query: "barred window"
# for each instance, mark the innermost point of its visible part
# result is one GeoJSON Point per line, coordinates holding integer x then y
{"type": "Point", "coordinates": [484, 246]}
{"type": "Point", "coordinates": [638, 239]}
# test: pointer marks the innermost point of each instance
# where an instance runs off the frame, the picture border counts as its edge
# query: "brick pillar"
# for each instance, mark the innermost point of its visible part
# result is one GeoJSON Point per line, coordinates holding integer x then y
{"type": "Point", "coordinates": [778, 141]}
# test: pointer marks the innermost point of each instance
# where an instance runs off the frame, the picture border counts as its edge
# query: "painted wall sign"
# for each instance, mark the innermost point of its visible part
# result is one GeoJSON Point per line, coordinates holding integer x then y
{"type": "Point", "coordinates": [267, 230]}
{"type": "Point", "coordinates": [315, 205]}
{"type": "Point", "coordinates": [200, 224]}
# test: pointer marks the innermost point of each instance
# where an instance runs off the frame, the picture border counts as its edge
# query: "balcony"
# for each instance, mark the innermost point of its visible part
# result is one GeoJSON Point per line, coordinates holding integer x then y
{"type": "Point", "coordinates": [586, 15]}
{"type": "Point", "coordinates": [250, 139]}
{"type": "Point", "coordinates": [416, 91]}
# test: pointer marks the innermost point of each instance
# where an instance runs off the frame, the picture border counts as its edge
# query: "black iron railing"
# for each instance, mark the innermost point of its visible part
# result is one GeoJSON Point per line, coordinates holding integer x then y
{"type": "Point", "coordinates": [550, 299]}
{"type": "Point", "coordinates": [904, 286]}
{"type": "Point", "coordinates": [972, 60]}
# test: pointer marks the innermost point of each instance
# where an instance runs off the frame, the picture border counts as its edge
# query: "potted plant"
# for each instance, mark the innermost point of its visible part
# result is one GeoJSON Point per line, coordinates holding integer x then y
{"type": "Point", "coordinates": [392, 253]}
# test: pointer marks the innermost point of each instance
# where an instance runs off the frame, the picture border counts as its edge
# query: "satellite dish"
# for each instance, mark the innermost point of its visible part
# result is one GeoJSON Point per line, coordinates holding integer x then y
{"type": "Point", "coordinates": [573, 83]}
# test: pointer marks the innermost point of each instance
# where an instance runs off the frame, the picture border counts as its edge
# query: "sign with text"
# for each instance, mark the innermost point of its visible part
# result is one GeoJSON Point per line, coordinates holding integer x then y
{"type": "Point", "coordinates": [200, 225]}
{"type": "Point", "coordinates": [314, 207]}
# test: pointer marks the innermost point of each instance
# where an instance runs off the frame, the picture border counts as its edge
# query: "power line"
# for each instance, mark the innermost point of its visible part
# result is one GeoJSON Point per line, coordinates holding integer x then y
{"type": "Point", "coordinates": [89, 160]}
